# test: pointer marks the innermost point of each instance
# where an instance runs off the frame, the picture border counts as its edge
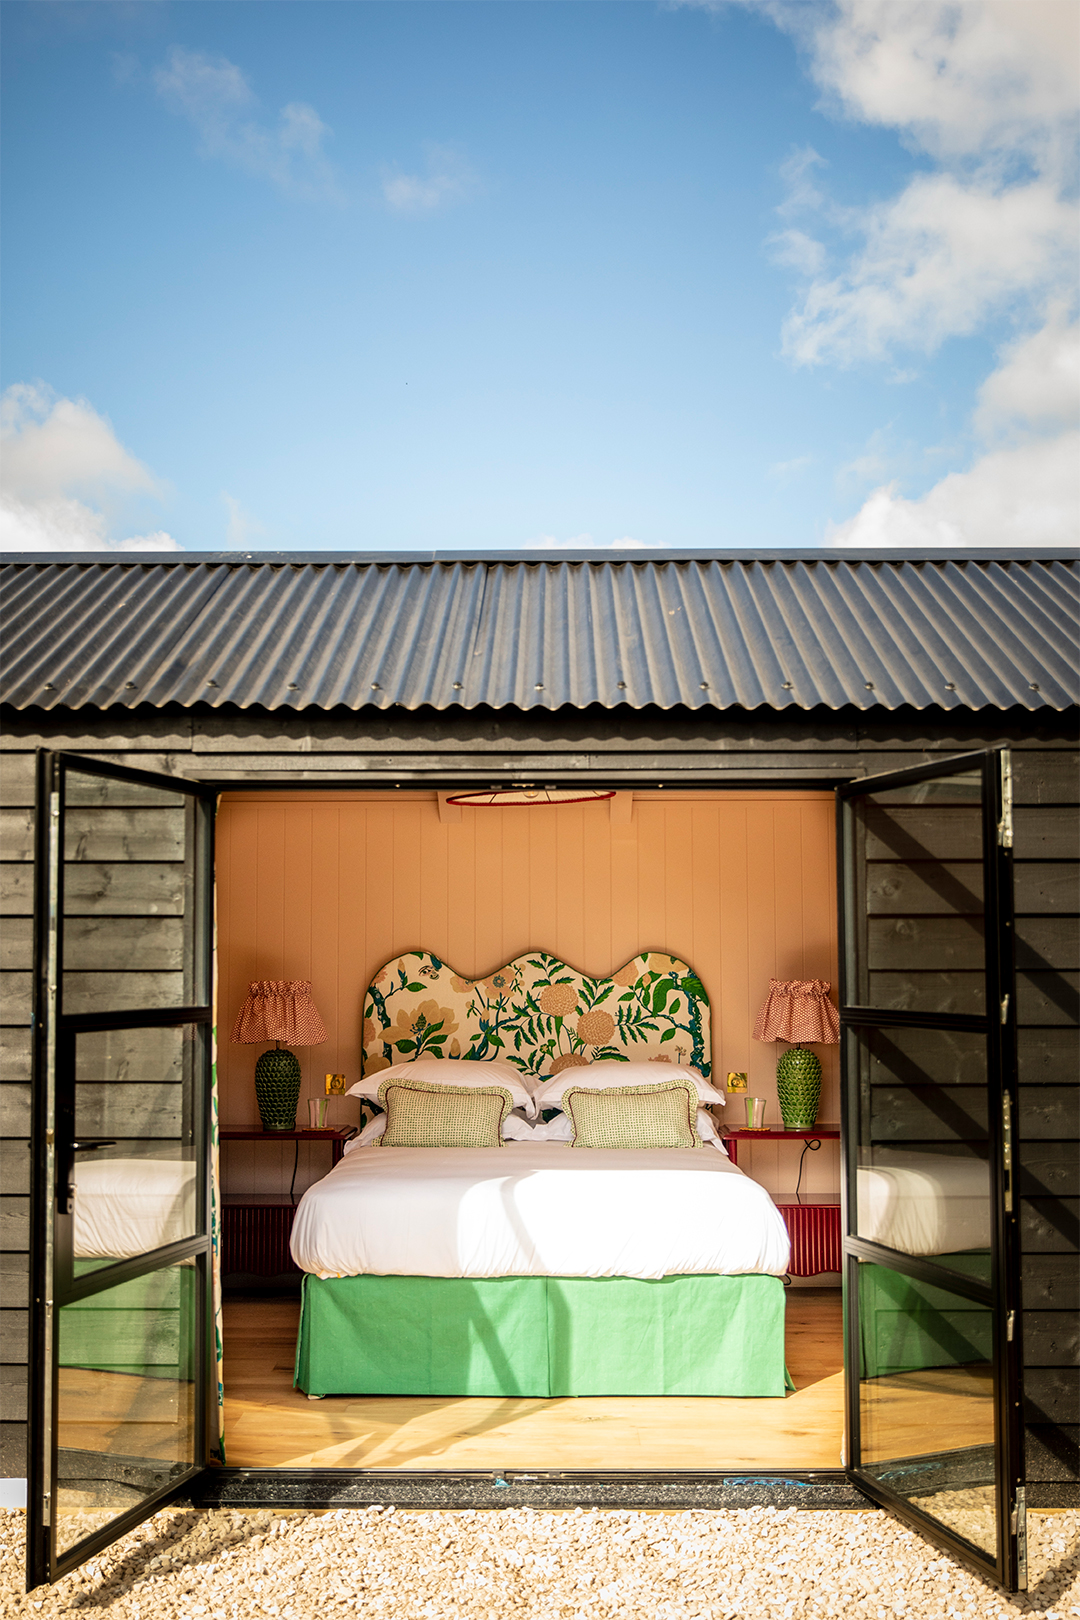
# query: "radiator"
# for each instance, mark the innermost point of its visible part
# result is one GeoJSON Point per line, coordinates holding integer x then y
{"type": "Point", "coordinates": [255, 1240]}
{"type": "Point", "coordinates": [815, 1237]}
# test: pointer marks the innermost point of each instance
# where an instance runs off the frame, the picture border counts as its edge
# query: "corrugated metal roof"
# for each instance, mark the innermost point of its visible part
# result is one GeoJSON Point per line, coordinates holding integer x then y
{"type": "Point", "coordinates": [791, 631]}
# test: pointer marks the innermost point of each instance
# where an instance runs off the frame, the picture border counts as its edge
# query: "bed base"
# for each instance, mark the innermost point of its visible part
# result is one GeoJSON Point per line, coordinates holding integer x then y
{"type": "Point", "coordinates": [541, 1336]}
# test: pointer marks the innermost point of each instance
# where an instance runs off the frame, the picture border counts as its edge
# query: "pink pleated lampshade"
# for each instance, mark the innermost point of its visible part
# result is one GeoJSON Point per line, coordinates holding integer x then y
{"type": "Point", "coordinates": [798, 1010]}
{"type": "Point", "coordinates": [279, 1010]}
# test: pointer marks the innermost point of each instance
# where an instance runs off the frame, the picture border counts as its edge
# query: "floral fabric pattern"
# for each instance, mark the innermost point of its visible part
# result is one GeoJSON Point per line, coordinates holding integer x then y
{"type": "Point", "coordinates": [537, 1013]}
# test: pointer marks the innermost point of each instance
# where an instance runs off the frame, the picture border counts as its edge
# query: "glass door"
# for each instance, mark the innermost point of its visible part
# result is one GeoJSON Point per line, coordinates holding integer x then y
{"type": "Point", "coordinates": [120, 1277]}
{"type": "Point", "coordinates": [929, 1073]}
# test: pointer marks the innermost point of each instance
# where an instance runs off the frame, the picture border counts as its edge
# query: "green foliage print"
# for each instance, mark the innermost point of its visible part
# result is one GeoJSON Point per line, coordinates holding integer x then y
{"type": "Point", "coordinates": [537, 1013]}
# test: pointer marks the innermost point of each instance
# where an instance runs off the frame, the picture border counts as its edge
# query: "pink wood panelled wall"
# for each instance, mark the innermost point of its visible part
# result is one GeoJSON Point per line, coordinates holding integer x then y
{"type": "Point", "coordinates": [328, 886]}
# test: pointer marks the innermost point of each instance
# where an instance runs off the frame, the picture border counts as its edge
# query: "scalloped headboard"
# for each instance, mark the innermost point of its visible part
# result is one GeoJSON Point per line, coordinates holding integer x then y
{"type": "Point", "coordinates": [540, 1014]}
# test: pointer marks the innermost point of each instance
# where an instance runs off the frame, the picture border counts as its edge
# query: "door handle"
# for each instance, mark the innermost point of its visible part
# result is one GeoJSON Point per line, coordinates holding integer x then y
{"type": "Point", "coordinates": [65, 1191]}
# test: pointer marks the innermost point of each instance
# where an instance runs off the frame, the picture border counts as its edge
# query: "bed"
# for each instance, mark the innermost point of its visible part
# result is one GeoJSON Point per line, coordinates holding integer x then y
{"type": "Point", "coordinates": [539, 1268]}
{"type": "Point", "coordinates": [937, 1206]}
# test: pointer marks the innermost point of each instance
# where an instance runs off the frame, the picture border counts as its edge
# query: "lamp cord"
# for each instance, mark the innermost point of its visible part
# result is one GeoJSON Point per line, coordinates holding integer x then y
{"type": "Point", "coordinates": [808, 1147]}
{"type": "Point", "coordinates": [295, 1162]}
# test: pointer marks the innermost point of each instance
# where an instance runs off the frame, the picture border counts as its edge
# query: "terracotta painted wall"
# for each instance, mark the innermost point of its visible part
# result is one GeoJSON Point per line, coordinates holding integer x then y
{"type": "Point", "coordinates": [327, 887]}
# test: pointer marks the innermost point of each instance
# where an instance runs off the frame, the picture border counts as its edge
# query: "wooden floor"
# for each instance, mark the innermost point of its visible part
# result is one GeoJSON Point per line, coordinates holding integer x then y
{"type": "Point", "coordinates": [268, 1424]}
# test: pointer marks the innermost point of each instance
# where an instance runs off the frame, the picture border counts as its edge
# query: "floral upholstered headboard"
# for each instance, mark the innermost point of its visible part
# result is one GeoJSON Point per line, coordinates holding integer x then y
{"type": "Point", "coordinates": [540, 1014]}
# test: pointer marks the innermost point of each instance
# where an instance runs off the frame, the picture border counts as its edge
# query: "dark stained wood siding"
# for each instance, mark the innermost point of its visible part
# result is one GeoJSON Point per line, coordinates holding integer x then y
{"type": "Point", "coordinates": [1046, 793]}
{"type": "Point", "coordinates": [646, 747]}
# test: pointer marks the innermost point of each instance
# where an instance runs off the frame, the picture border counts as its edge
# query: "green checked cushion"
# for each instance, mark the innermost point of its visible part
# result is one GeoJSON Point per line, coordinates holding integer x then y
{"type": "Point", "coordinates": [660, 1116]}
{"type": "Point", "coordinates": [422, 1114]}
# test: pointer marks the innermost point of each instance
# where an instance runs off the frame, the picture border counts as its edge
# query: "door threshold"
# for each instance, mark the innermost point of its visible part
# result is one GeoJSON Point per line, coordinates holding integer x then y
{"type": "Point", "coordinates": [359, 1487]}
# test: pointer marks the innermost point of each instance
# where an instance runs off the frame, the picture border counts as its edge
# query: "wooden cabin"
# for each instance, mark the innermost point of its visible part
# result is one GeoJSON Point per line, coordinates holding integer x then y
{"type": "Point", "coordinates": [328, 711]}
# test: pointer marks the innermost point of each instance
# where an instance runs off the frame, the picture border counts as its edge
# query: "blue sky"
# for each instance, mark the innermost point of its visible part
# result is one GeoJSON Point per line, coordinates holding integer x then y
{"type": "Point", "coordinates": [402, 275]}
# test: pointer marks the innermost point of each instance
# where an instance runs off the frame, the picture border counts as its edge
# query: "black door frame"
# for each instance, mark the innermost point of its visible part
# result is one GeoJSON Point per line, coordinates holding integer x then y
{"type": "Point", "coordinates": [1009, 1567]}
{"type": "Point", "coordinates": [52, 1153]}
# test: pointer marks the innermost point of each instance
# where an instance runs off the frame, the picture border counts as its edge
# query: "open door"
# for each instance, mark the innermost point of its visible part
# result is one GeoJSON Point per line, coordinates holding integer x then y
{"type": "Point", "coordinates": [932, 1300]}
{"type": "Point", "coordinates": [120, 1261]}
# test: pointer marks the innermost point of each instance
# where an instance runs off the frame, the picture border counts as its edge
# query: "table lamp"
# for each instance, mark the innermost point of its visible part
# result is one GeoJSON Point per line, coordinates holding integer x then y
{"type": "Point", "coordinates": [798, 1010]}
{"type": "Point", "coordinates": [279, 1010]}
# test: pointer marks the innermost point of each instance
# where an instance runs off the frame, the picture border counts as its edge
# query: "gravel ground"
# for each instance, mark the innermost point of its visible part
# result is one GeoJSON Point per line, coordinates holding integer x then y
{"type": "Point", "coordinates": [748, 1564]}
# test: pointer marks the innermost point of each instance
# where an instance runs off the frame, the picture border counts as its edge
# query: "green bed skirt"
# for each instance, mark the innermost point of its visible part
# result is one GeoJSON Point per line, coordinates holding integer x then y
{"type": "Point", "coordinates": [144, 1328]}
{"type": "Point", "coordinates": [910, 1326]}
{"type": "Point", "coordinates": [541, 1336]}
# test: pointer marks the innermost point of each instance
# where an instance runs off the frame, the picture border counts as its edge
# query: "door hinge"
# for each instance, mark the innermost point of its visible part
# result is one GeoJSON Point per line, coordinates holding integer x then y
{"type": "Point", "coordinates": [1005, 825]}
{"type": "Point", "coordinates": [1004, 1009]}
{"type": "Point", "coordinates": [1007, 1150]}
{"type": "Point", "coordinates": [1018, 1526]}
{"type": "Point", "coordinates": [46, 1508]}
{"type": "Point", "coordinates": [1010, 1325]}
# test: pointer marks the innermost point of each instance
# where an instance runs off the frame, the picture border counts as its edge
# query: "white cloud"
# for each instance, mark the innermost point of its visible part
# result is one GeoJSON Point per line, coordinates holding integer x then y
{"type": "Point", "coordinates": [939, 260]}
{"type": "Point", "coordinates": [448, 179]}
{"type": "Point", "coordinates": [242, 526]}
{"type": "Point", "coordinates": [987, 91]}
{"type": "Point", "coordinates": [797, 251]}
{"type": "Point", "coordinates": [962, 79]}
{"type": "Point", "coordinates": [786, 470]}
{"type": "Point", "coordinates": [1038, 384]}
{"type": "Point", "coordinates": [64, 476]}
{"type": "Point", "coordinates": [62, 445]}
{"type": "Point", "coordinates": [1025, 496]}
{"type": "Point", "coordinates": [1024, 489]}
{"type": "Point", "coordinates": [213, 94]}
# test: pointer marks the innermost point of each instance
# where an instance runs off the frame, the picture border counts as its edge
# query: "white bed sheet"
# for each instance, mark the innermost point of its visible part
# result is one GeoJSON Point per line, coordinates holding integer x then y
{"type": "Point", "coordinates": [924, 1203]}
{"type": "Point", "coordinates": [535, 1210]}
{"type": "Point", "coordinates": [125, 1207]}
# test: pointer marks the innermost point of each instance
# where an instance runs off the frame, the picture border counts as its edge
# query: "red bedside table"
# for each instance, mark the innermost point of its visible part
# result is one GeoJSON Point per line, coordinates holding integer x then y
{"type": "Point", "coordinates": [812, 1220]}
{"type": "Point", "coordinates": [255, 1229]}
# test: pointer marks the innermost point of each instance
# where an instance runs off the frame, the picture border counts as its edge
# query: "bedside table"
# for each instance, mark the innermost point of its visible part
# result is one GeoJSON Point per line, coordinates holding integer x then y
{"type": "Point", "coordinates": [812, 1220]}
{"type": "Point", "coordinates": [255, 1229]}
{"type": "Point", "coordinates": [735, 1134]}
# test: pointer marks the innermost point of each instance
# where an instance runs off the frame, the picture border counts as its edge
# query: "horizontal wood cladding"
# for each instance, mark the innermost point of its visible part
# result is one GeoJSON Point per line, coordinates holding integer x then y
{"type": "Point", "coordinates": [1050, 1225]}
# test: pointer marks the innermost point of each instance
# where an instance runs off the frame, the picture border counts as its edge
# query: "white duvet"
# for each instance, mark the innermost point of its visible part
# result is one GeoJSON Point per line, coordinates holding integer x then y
{"type": "Point", "coordinates": [924, 1203]}
{"type": "Point", "coordinates": [125, 1207]}
{"type": "Point", "coordinates": [535, 1210]}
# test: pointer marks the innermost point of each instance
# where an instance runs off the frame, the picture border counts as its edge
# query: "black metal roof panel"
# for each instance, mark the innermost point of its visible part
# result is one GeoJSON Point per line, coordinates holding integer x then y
{"type": "Point", "coordinates": [784, 631]}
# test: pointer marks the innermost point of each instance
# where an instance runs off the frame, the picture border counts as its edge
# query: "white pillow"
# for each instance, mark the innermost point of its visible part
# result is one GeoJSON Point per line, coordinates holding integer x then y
{"type": "Point", "coordinates": [599, 1076]}
{"type": "Point", "coordinates": [452, 1072]}
{"type": "Point", "coordinates": [514, 1129]}
{"type": "Point", "coordinates": [371, 1130]}
{"type": "Point", "coordinates": [561, 1129]}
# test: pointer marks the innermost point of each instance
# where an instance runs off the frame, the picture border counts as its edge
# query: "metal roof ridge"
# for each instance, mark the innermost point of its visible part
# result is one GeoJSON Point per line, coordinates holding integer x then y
{"type": "Point", "coordinates": [659, 554]}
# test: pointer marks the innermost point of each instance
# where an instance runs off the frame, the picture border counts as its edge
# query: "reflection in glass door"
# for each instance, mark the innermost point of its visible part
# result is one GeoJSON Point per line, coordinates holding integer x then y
{"type": "Point", "coordinates": [120, 1135]}
{"type": "Point", "coordinates": [929, 1074]}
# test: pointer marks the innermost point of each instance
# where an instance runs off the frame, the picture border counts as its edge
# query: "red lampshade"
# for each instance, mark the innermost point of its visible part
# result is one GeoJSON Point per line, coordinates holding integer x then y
{"type": "Point", "coordinates": [798, 1010]}
{"type": "Point", "coordinates": [279, 1010]}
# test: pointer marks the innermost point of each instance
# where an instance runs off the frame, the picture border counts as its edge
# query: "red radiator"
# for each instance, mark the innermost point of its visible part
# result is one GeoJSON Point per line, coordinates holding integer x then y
{"type": "Point", "coordinates": [815, 1237]}
{"type": "Point", "coordinates": [255, 1239]}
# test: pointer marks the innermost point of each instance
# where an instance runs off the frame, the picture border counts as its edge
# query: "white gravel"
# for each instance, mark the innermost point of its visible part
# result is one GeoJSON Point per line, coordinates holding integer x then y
{"type": "Point", "coordinates": [751, 1564]}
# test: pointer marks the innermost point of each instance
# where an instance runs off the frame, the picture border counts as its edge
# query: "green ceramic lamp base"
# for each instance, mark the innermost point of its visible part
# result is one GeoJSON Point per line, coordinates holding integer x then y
{"type": "Point", "coordinates": [277, 1089]}
{"type": "Point", "coordinates": [798, 1087]}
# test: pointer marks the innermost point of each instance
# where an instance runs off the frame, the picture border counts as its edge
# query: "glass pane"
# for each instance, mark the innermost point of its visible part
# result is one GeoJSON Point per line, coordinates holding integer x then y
{"type": "Point", "coordinates": [918, 936]}
{"type": "Point", "coordinates": [129, 925]}
{"type": "Point", "coordinates": [923, 1177]}
{"type": "Point", "coordinates": [126, 1403]}
{"type": "Point", "coordinates": [926, 1401]}
{"type": "Point", "coordinates": [135, 1173]}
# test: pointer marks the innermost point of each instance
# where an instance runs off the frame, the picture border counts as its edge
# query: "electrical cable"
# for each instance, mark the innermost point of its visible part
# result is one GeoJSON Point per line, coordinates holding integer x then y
{"type": "Point", "coordinates": [808, 1147]}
